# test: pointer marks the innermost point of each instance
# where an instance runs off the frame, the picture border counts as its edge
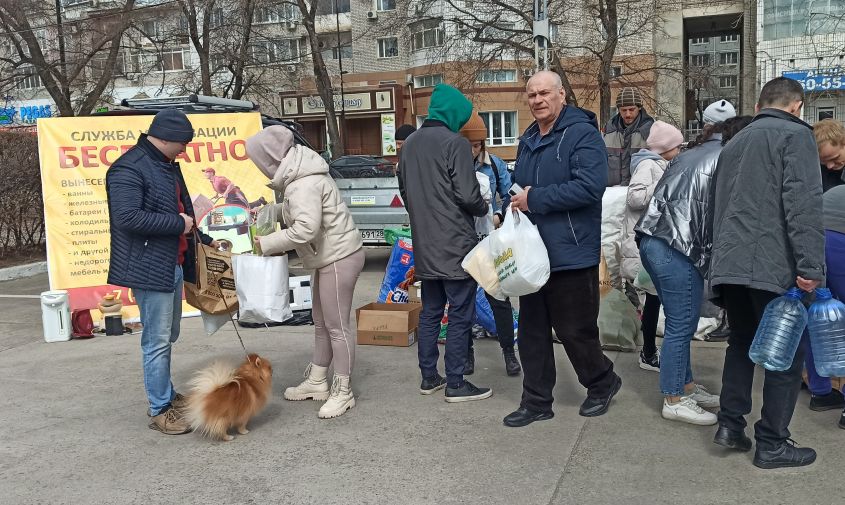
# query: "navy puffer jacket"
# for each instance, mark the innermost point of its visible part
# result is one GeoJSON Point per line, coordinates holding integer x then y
{"type": "Point", "coordinates": [145, 221]}
{"type": "Point", "coordinates": [567, 172]}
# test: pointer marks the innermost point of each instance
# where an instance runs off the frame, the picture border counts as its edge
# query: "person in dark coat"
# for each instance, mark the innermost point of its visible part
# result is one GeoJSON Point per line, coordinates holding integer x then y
{"type": "Point", "coordinates": [561, 164]}
{"type": "Point", "coordinates": [438, 185]}
{"type": "Point", "coordinates": [152, 251]}
{"type": "Point", "coordinates": [830, 138]}
{"type": "Point", "coordinates": [625, 134]}
{"type": "Point", "coordinates": [767, 237]}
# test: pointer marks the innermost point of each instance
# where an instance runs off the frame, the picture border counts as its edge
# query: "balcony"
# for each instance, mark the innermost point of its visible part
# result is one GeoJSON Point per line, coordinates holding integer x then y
{"type": "Point", "coordinates": [327, 23]}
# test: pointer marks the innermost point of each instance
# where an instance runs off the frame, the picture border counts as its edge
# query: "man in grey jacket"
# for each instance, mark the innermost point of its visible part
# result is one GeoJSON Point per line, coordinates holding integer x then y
{"type": "Point", "coordinates": [768, 236]}
{"type": "Point", "coordinates": [438, 185]}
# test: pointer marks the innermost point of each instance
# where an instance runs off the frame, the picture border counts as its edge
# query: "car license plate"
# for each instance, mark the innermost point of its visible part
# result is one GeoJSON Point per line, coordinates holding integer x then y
{"type": "Point", "coordinates": [372, 234]}
{"type": "Point", "coordinates": [358, 200]}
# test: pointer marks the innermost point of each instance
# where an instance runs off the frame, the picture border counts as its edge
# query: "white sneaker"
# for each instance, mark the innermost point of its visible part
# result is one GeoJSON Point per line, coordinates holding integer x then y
{"type": "Point", "coordinates": [340, 400]}
{"type": "Point", "coordinates": [687, 411]}
{"type": "Point", "coordinates": [704, 398]}
{"type": "Point", "coordinates": [314, 386]}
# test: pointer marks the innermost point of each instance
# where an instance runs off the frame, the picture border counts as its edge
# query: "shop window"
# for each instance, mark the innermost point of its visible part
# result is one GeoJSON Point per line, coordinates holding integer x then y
{"type": "Point", "coordinates": [501, 127]}
{"type": "Point", "coordinates": [388, 47]}
{"type": "Point", "coordinates": [427, 81]}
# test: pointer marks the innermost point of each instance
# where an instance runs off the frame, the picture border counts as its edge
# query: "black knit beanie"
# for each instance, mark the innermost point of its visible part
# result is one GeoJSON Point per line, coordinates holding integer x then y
{"type": "Point", "coordinates": [404, 131]}
{"type": "Point", "coordinates": [171, 125]}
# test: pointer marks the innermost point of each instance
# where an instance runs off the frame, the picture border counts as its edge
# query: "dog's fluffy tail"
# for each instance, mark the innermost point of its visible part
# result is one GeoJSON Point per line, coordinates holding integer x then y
{"type": "Point", "coordinates": [204, 385]}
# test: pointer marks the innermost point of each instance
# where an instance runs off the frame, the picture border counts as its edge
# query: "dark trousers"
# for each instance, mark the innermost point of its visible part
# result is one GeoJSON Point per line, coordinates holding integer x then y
{"type": "Point", "coordinates": [503, 317]}
{"type": "Point", "coordinates": [745, 308]}
{"type": "Point", "coordinates": [569, 303]}
{"type": "Point", "coordinates": [651, 313]}
{"type": "Point", "coordinates": [460, 294]}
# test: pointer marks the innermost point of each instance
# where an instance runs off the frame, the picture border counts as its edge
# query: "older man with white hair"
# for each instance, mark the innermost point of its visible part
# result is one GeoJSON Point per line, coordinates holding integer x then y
{"type": "Point", "coordinates": [562, 166]}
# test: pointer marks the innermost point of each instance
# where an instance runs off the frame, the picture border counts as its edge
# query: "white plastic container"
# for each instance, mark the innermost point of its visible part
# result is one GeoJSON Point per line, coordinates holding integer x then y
{"type": "Point", "coordinates": [55, 316]}
{"type": "Point", "coordinates": [300, 293]}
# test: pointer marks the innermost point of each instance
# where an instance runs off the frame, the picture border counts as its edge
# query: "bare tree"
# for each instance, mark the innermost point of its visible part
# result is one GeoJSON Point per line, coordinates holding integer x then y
{"type": "Point", "coordinates": [31, 29]}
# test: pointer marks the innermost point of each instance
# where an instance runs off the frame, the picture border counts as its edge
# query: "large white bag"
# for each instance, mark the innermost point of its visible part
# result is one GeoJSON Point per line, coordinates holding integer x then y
{"type": "Point", "coordinates": [479, 264]}
{"type": "Point", "coordinates": [519, 256]}
{"type": "Point", "coordinates": [263, 289]}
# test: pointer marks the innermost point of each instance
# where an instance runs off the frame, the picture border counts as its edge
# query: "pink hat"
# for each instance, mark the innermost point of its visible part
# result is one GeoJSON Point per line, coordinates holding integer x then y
{"type": "Point", "coordinates": [664, 137]}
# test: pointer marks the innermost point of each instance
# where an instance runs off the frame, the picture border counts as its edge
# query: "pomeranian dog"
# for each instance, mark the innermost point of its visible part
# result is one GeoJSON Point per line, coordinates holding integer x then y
{"type": "Point", "coordinates": [223, 397]}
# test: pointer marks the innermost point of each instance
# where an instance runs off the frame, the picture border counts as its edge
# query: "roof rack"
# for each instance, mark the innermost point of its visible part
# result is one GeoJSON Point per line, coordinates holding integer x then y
{"type": "Point", "coordinates": [190, 103]}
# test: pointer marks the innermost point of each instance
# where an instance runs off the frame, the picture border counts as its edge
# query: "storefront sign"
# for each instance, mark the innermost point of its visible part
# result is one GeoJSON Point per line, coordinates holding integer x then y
{"type": "Point", "coordinates": [75, 153]}
{"type": "Point", "coordinates": [388, 134]}
{"type": "Point", "coordinates": [351, 102]}
{"type": "Point", "coordinates": [822, 79]}
{"type": "Point", "coordinates": [28, 114]}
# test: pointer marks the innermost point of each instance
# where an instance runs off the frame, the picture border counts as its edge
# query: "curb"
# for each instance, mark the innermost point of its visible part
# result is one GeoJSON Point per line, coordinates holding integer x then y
{"type": "Point", "coordinates": [21, 271]}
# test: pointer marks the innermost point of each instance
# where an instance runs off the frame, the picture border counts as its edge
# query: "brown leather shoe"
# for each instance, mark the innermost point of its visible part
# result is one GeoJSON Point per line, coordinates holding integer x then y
{"type": "Point", "coordinates": [179, 402]}
{"type": "Point", "coordinates": [170, 422]}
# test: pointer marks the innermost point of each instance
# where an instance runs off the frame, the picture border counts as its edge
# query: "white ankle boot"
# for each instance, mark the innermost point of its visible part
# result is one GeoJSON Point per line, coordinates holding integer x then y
{"type": "Point", "coordinates": [314, 386]}
{"type": "Point", "coordinates": [340, 400]}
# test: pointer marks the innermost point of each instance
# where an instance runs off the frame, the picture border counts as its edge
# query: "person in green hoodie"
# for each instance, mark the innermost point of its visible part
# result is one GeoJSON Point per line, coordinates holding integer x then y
{"type": "Point", "coordinates": [438, 185]}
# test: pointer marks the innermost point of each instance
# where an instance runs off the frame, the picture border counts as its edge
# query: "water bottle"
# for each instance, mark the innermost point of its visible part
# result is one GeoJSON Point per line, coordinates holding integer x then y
{"type": "Point", "coordinates": [826, 325]}
{"type": "Point", "coordinates": [779, 332]}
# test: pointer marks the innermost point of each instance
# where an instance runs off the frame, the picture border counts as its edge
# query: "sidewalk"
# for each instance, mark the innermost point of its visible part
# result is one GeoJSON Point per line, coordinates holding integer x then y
{"type": "Point", "coordinates": [75, 431]}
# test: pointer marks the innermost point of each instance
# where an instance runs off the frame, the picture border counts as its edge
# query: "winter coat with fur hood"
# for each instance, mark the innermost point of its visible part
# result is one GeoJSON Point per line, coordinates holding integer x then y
{"type": "Point", "coordinates": [647, 168]}
{"type": "Point", "coordinates": [319, 225]}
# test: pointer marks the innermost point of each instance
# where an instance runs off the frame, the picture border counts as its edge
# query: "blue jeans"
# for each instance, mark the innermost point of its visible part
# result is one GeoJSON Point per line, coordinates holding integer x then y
{"type": "Point", "coordinates": [160, 315]}
{"type": "Point", "coordinates": [461, 297]}
{"type": "Point", "coordinates": [833, 254]}
{"type": "Point", "coordinates": [680, 287]}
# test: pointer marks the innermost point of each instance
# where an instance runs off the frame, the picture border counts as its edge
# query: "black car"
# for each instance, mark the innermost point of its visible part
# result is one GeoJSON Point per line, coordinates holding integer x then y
{"type": "Point", "coordinates": [357, 166]}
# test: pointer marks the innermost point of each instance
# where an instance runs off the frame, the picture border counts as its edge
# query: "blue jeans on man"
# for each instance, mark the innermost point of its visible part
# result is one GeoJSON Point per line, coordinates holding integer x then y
{"type": "Point", "coordinates": [680, 288]}
{"type": "Point", "coordinates": [160, 314]}
{"type": "Point", "coordinates": [460, 295]}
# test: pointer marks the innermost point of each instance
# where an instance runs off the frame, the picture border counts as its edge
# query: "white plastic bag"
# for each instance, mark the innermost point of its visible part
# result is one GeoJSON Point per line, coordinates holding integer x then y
{"type": "Point", "coordinates": [479, 264]}
{"type": "Point", "coordinates": [263, 288]}
{"type": "Point", "coordinates": [484, 224]}
{"type": "Point", "coordinates": [519, 256]}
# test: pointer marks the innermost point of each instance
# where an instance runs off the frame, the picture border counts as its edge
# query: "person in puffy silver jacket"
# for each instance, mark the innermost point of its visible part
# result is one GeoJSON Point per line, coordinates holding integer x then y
{"type": "Point", "coordinates": [675, 245]}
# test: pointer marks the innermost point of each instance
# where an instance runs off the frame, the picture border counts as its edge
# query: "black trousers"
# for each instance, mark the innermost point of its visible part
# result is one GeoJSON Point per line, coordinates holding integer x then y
{"type": "Point", "coordinates": [569, 303]}
{"type": "Point", "coordinates": [503, 317]}
{"type": "Point", "coordinates": [651, 314]}
{"type": "Point", "coordinates": [745, 308]}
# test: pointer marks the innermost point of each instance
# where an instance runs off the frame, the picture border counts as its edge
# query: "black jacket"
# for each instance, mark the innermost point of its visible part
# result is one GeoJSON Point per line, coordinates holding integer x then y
{"type": "Point", "coordinates": [831, 178]}
{"type": "Point", "coordinates": [438, 185]}
{"type": "Point", "coordinates": [145, 221]}
{"type": "Point", "coordinates": [767, 208]}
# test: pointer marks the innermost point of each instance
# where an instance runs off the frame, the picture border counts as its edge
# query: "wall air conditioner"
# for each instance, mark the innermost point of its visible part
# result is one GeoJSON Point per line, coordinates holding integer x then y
{"type": "Point", "coordinates": [372, 15]}
{"type": "Point", "coordinates": [409, 78]}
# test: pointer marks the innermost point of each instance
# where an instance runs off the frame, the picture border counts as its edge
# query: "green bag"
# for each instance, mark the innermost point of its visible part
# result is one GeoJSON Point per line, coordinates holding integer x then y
{"type": "Point", "coordinates": [619, 326]}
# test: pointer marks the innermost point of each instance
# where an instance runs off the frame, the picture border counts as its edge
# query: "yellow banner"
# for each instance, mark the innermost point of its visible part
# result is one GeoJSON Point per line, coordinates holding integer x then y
{"type": "Point", "coordinates": [75, 153]}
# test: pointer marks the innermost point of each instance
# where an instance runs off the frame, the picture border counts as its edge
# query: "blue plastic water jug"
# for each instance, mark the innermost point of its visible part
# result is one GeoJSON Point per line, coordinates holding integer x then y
{"type": "Point", "coordinates": [826, 324]}
{"type": "Point", "coordinates": [779, 333]}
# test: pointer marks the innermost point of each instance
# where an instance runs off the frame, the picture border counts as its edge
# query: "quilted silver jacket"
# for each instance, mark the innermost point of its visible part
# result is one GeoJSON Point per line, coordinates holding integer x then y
{"type": "Point", "coordinates": [678, 212]}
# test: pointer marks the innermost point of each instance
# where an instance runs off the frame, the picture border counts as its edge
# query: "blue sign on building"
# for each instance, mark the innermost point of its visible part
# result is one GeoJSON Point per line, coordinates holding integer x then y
{"type": "Point", "coordinates": [28, 114]}
{"type": "Point", "coordinates": [821, 79]}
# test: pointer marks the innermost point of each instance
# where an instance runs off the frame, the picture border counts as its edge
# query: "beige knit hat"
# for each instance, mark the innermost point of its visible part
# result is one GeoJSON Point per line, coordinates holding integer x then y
{"type": "Point", "coordinates": [628, 97]}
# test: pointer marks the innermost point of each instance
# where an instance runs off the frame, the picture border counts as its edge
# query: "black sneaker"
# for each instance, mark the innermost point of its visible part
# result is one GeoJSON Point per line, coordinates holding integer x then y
{"type": "Point", "coordinates": [842, 421]}
{"type": "Point", "coordinates": [467, 393]}
{"type": "Point", "coordinates": [830, 401]}
{"type": "Point", "coordinates": [721, 333]}
{"type": "Point", "coordinates": [469, 364]}
{"type": "Point", "coordinates": [736, 440]}
{"type": "Point", "coordinates": [430, 385]}
{"type": "Point", "coordinates": [785, 456]}
{"type": "Point", "coordinates": [593, 407]}
{"type": "Point", "coordinates": [511, 363]}
{"type": "Point", "coordinates": [652, 362]}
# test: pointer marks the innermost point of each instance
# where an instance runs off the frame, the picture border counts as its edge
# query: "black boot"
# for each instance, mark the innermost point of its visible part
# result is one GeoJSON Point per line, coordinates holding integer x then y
{"type": "Point", "coordinates": [469, 365]}
{"type": "Point", "coordinates": [511, 362]}
{"type": "Point", "coordinates": [721, 333]}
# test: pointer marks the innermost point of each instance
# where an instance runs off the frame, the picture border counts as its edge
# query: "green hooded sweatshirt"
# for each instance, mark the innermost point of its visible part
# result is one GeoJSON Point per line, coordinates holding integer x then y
{"type": "Point", "coordinates": [449, 106]}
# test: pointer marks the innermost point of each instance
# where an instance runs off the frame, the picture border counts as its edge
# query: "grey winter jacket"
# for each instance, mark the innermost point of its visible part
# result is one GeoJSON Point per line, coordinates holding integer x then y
{"type": "Point", "coordinates": [622, 142]}
{"type": "Point", "coordinates": [680, 208]}
{"type": "Point", "coordinates": [768, 206]}
{"type": "Point", "coordinates": [438, 185]}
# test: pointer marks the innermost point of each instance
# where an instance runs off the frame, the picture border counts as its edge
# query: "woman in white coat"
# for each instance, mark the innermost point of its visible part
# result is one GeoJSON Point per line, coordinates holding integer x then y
{"type": "Point", "coordinates": [319, 227]}
{"type": "Point", "coordinates": [647, 167]}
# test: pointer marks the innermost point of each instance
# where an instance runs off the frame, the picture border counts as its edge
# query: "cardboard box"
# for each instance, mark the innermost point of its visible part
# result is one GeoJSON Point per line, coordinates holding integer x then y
{"type": "Point", "coordinates": [388, 324]}
{"type": "Point", "coordinates": [415, 293]}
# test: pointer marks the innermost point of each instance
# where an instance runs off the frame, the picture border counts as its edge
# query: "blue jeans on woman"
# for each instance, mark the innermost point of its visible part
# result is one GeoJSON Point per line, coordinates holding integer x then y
{"type": "Point", "coordinates": [160, 315]}
{"type": "Point", "coordinates": [680, 287]}
{"type": "Point", "coordinates": [834, 253]}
